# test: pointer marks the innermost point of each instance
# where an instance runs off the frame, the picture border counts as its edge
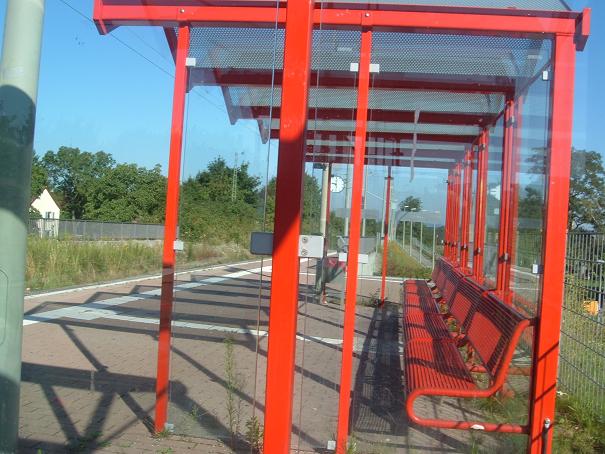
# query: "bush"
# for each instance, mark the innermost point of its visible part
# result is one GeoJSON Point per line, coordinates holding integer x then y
{"type": "Point", "coordinates": [401, 264]}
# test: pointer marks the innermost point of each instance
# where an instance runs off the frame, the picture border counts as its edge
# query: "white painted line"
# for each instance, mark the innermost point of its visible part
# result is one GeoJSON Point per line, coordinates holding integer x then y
{"type": "Point", "coordinates": [91, 310]}
{"type": "Point", "coordinates": [138, 279]}
{"type": "Point", "coordinates": [95, 313]}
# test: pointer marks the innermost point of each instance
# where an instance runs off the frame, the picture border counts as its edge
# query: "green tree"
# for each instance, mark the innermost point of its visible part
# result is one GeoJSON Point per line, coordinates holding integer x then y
{"type": "Point", "coordinates": [73, 173]}
{"type": "Point", "coordinates": [127, 193]}
{"type": "Point", "coordinates": [531, 205]}
{"type": "Point", "coordinates": [311, 204]}
{"type": "Point", "coordinates": [213, 211]}
{"type": "Point", "coordinates": [40, 179]}
{"type": "Point", "coordinates": [411, 203]}
{"type": "Point", "coordinates": [587, 191]}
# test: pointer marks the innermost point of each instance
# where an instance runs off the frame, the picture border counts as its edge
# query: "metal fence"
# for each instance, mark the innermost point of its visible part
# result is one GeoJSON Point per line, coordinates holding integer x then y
{"type": "Point", "coordinates": [94, 230]}
{"type": "Point", "coordinates": [582, 356]}
{"type": "Point", "coordinates": [582, 365]}
{"type": "Point", "coordinates": [422, 242]}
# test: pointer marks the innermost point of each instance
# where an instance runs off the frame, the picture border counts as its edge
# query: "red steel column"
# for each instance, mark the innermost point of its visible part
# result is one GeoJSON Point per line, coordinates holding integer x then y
{"type": "Point", "coordinates": [385, 244]}
{"type": "Point", "coordinates": [327, 240]}
{"type": "Point", "coordinates": [288, 214]}
{"type": "Point", "coordinates": [170, 226]}
{"type": "Point", "coordinates": [447, 235]}
{"type": "Point", "coordinates": [481, 204]}
{"type": "Point", "coordinates": [456, 213]}
{"type": "Point", "coordinates": [281, 352]}
{"type": "Point", "coordinates": [346, 372]}
{"type": "Point", "coordinates": [513, 216]}
{"type": "Point", "coordinates": [503, 271]}
{"type": "Point", "coordinates": [546, 346]}
{"type": "Point", "coordinates": [466, 206]}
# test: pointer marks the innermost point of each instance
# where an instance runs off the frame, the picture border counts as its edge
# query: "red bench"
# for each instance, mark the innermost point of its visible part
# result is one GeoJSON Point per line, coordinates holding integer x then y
{"type": "Point", "coordinates": [428, 314]}
{"type": "Point", "coordinates": [423, 295]}
{"type": "Point", "coordinates": [434, 365]}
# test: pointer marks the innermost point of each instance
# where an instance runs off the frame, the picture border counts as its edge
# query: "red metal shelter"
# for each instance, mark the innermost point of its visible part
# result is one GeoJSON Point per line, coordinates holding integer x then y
{"type": "Point", "coordinates": [421, 84]}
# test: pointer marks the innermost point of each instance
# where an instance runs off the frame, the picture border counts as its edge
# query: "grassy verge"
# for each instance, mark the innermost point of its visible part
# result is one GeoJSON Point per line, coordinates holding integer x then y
{"type": "Point", "coordinates": [62, 263]}
{"type": "Point", "coordinates": [401, 264]}
{"type": "Point", "coordinates": [576, 429]}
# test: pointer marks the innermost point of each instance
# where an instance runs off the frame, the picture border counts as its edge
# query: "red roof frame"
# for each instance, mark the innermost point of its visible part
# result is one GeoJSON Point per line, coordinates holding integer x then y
{"type": "Point", "coordinates": [570, 31]}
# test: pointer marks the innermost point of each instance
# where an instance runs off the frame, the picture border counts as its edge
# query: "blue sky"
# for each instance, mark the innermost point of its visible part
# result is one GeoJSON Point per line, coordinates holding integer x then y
{"type": "Point", "coordinates": [98, 93]}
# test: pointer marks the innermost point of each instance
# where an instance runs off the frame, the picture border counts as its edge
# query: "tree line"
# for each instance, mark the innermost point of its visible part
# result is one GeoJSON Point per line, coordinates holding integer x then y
{"type": "Point", "coordinates": [221, 203]}
{"type": "Point", "coordinates": [224, 203]}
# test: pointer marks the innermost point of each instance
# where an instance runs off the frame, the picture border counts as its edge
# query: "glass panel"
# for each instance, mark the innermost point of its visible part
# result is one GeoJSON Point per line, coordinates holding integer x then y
{"type": "Point", "coordinates": [530, 148]}
{"type": "Point", "coordinates": [494, 188]}
{"type": "Point", "coordinates": [326, 213]}
{"type": "Point", "coordinates": [473, 202]}
{"type": "Point", "coordinates": [220, 316]}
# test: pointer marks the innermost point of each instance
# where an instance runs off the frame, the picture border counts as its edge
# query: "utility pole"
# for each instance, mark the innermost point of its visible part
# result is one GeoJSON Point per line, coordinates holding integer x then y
{"type": "Point", "coordinates": [19, 70]}
{"type": "Point", "coordinates": [234, 180]}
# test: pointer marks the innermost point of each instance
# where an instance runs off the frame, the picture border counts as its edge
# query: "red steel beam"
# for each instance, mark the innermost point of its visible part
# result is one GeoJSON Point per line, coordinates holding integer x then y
{"type": "Point", "coordinates": [450, 20]}
{"type": "Point", "coordinates": [335, 79]}
{"type": "Point", "coordinates": [503, 268]}
{"type": "Point", "coordinates": [546, 346]}
{"type": "Point", "coordinates": [315, 134]}
{"type": "Point", "coordinates": [385, 153]}
{"type": "Point", "coordinates": [466, 206]}
{"type": "Point", "coordinates": [170, 229]}
{"type": "Point", "coordinates": [396, 116]}
{"type": "Point", "coordinates": [281, 354]}
{"type": "Point", "coordinates": [380, 161]}
{"type": "Point", "coordinates": [363, 88]}
{"type": "Point", "coordinates": [480, 204]}
{"type": "Point", "coordinates": [385, 244]}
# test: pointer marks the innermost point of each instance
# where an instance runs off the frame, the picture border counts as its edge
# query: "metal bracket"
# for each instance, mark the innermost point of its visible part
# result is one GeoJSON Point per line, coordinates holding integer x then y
{"type": "Point", "coordinates": [511, 121]}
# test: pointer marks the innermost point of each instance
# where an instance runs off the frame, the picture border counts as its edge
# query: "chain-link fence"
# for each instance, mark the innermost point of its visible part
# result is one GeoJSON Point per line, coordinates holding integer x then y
{"type": "Point", "coordinates": [94, 230]}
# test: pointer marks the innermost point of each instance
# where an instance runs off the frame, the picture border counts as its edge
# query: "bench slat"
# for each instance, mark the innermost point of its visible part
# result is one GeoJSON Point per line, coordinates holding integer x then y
{"type": "Point", "coordinates": [418, 296]}
{"type": "Point", "coordinates": [418, 324]}
{"type": "Point", "coordinates": [436, 364]}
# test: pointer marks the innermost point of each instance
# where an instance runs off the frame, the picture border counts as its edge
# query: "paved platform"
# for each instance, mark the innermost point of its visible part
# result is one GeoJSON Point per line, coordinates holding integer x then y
{"type": "Point", "coordinates": [89, 362]}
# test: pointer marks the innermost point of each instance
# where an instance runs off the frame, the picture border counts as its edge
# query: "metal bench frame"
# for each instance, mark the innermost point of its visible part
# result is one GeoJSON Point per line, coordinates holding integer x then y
{"type": "Point", "coordinates": [497, 375]}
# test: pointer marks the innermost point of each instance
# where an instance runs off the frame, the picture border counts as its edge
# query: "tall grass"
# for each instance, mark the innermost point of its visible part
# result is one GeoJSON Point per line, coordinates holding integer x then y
{"type": "Point", "coordinates": [401, 264]}
{"type": "Point", "coordinates": [60, 263]}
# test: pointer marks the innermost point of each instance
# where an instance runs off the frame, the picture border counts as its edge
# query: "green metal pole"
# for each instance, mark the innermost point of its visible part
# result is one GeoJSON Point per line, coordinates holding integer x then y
{"type": "Point", "coordinates": [18, 91]}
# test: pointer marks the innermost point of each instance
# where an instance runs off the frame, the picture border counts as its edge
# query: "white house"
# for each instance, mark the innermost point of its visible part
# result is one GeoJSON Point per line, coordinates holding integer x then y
{"type": "Point", "coordinates": [50, 211]}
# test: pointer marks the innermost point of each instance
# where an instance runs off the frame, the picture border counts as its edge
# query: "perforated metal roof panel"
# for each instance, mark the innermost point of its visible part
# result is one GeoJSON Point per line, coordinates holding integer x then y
{"type": "Point", "coordinates": [454, 57]}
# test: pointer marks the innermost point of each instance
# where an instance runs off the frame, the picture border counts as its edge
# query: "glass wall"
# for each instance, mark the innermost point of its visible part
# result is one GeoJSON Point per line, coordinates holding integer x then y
{"type": "Point", "coordinates": [221, 312]}
{"type": "Point", "coordinates": [493, 197]}
{"type": "Point", "coordinates": [326, 214]}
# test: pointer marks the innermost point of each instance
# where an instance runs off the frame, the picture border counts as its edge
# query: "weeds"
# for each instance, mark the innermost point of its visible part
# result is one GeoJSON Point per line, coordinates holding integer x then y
{"type": "Point", "coordinates": [577, 429]}
{"type": "Point", "coordinates": [87, 443]}
{"type": "Point", "coordinates": [234, 385]}
{"type": "Point", "coordinates": [165, 433]}
{"type": "Point", "coordinates": [254, 434]}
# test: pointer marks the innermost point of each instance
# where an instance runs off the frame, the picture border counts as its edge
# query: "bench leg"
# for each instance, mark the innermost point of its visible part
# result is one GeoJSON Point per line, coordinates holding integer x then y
{"type": "Point", "coordinates": [455, 424]}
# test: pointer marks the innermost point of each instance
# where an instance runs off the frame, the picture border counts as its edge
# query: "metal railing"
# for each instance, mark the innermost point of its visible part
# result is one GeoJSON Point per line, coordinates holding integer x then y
{"type": "Point", "coordinates": [582, 354]}
{"type": "Point", "coordinates": [582, 360]}
{"type": "Point", "coordinates": [94, 230]}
